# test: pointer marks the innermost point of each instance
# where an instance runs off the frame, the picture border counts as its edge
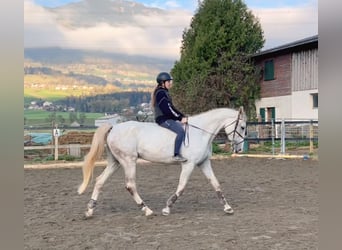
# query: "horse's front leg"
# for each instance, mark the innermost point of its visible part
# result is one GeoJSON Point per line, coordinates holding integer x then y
{"type": "Point", "coordinates": [187, 169]}
{"type": "Point", "coordinates": [130, 179]}
{"type": "Point", "coordinates": [209, 173]}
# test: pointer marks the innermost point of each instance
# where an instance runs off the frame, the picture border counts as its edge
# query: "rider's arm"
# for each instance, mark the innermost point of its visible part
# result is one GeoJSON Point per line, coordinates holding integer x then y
{"type": "Point", "coordinates": [166, 106]}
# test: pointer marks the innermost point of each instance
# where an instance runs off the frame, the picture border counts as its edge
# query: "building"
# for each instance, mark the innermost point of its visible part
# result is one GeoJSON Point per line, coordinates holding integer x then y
{"type": "Point", "coordinates": [289, 82]}
{"type": "Point", "coordinates": [75, 124]}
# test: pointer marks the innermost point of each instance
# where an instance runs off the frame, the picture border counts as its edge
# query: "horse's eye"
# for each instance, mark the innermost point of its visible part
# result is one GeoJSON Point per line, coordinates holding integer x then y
{"type": "Point", "coordinates": [242, 127]}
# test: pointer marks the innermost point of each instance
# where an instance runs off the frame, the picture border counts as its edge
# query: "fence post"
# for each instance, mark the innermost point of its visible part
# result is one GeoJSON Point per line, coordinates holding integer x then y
{"type": "Point", "coordinates": [272, 131]}
{"type": "Point", "coordinates": [52, 136]}
{"type": "Point", "coordinates": [282, 151]}
{"type": "Point", "coordinates": [311, 136]}
{"type": "Point", "coordinates": [56, 142]}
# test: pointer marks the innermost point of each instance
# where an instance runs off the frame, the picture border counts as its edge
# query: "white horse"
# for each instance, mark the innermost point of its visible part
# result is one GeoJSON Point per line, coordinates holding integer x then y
{"type": "Point", "coordinates": [128, 141]}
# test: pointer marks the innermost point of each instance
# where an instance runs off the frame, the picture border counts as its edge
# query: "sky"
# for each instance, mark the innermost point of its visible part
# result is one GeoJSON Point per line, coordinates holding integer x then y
{"type": "Point", "coordinates": [282, 21]}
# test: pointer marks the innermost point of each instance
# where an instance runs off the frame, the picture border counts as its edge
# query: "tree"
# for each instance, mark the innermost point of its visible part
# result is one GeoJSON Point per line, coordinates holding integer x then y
{"type": "Point", "coordinates": [60, 119]}
{"type": "Point", "coordinates": [215, 67]}
{"type": "Point", "coordinates": [52, 117]}
{"type": "Point", "coordinates": [72, 117]}
{"type": "Point", "coordinates": [82, 117]}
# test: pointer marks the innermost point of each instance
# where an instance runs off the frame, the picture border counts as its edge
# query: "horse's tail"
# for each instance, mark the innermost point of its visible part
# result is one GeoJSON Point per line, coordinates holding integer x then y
{"type": "Point", "coordinates": [96, 150]}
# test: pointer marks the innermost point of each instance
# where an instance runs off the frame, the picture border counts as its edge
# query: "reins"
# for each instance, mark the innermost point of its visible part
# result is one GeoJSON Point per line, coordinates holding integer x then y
{"type": "Point", "coordinates": [194, 126]}
{"type": "Point", "coordinates": [187, 125]}
{"type": "Point", "coordinates": [186, 138]}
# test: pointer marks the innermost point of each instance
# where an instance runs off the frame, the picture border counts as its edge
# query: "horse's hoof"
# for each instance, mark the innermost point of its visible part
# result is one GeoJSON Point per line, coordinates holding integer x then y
{"type": "Point", "coordinates": [89, 213]}
{"type": "Point", "coordinates": [86, 217]}
{"type": "Point", "coordinates": [229, 210]}
{"type": "Point", "coordinates": [166, 211]}
{"type": "Point", "coordinates": [147, 211]}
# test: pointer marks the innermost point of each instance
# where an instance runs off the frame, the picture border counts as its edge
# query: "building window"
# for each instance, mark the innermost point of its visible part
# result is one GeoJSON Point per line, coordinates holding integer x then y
{"type": "Point", "coordinates": [314, 100]}
{"type": "Point", "coordinates": [269, 70]}
{"type": "Point", "coordinates": [262, 114]}
{"type": "Point", "coordinates": [267, 114]}
{"type": "Point", "coordinates": [270, 114]}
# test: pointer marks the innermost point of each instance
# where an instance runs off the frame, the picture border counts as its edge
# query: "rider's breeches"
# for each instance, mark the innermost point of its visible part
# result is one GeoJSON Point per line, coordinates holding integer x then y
{"type": "Point", "coordinates": [176, 127]}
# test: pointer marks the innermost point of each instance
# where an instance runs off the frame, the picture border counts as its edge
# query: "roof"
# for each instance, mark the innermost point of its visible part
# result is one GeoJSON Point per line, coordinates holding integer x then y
{"type": "Point", "coordinates": [308, 42]}
{"type": "Point", "coordinates": [75, 124]}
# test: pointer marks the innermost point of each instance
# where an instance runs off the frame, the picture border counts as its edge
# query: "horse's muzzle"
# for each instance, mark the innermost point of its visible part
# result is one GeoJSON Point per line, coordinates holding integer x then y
{"type": "Point", "coordinates": [237, 150]}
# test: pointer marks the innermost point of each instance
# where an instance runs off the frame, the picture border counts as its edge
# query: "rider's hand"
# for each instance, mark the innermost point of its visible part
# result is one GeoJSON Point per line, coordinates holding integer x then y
{"type": "Point", "coordinates": [184, 120]}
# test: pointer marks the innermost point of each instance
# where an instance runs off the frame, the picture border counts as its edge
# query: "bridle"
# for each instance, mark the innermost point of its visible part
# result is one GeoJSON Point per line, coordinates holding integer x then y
{"type": "Point", "coordinates": [234, 132]}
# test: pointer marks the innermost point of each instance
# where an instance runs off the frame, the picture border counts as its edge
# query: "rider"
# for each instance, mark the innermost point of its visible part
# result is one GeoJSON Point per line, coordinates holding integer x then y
{"type": "Point", "coordinates": [166, 115]}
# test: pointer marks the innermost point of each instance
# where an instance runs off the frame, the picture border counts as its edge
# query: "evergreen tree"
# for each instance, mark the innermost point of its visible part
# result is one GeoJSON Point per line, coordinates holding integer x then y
{"type": "Point", "coordinates": [81, 118]}
{"type": "Point", "coordinates": [60, 119]}
{"type": "Point", "coordinates": [72, 117]}
{"type": "Point", "coordinates": [52, 117]}
{"type": "Point", "coordinates": [215, 67]}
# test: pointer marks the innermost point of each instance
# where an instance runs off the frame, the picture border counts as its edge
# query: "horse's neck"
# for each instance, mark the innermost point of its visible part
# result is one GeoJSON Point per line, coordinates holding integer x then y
{"type": "Point", "coordinates": [214, 120]}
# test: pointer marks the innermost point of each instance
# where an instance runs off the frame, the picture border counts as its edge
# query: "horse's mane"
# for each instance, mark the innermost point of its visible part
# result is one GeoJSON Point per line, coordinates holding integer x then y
{"type": "Point", "coordinates": [208, 112]}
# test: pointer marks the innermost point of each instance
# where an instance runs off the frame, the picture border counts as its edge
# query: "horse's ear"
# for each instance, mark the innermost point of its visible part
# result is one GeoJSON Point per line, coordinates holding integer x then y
{"type": "Point", "coordinates": [241, 110]}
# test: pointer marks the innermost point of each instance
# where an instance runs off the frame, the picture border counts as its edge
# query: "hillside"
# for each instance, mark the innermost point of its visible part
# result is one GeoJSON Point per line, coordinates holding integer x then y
{"type": "Point", "coordinates": [61, 68]}
{"type": "Point", "coordinates": [54, 73]}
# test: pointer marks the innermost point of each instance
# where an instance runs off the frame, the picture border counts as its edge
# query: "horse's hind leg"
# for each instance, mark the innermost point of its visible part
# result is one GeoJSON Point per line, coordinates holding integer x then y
{"type": "Point", "coordinates": [111, 167]}
{"type": "Point", "coordinates": [130, 180]}
{"type": "Point", "coordinates": [209, 173]}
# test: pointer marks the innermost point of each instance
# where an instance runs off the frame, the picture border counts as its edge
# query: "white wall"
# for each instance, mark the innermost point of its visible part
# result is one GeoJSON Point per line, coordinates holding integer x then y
{"type": "Point", "coordinates": [282, 104]}
{"type": "Point", "coordinates": [302, 105]}
{"type": "Point", "coordinates": [298, 106]}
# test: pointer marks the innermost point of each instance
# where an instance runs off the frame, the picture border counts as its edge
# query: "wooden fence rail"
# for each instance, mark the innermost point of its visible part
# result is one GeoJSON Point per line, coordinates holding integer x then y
{"type": "Point", "coordinates": [53, 147]}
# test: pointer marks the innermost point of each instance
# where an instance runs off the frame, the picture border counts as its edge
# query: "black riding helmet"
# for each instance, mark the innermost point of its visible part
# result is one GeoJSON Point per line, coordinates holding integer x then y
{"type": "Point", "coordinates": [162, 77]}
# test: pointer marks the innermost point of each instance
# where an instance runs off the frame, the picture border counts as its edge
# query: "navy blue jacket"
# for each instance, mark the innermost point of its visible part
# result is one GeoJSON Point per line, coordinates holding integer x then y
{"type": "Point", "coordinates": [164, 109]}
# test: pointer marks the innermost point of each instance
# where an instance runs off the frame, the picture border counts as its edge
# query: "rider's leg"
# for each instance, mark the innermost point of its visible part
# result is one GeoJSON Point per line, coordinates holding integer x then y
{"type": "Point", "coordinates": [176, 127]}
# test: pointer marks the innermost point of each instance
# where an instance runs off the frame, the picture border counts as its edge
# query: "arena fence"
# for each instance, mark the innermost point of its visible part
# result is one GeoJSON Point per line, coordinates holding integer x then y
{"type": "Point", "coordinates": [283, 134]}
{"type": "Point", "coordinates": [277, 135]}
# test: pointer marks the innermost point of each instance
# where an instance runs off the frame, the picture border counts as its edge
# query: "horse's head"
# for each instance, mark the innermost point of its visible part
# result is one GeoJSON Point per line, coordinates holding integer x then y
{"type": "Point", "coordinates": [237, 136]}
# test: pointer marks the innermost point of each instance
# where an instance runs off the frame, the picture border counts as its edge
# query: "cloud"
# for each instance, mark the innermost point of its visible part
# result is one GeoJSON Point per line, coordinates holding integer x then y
{"type": "Point", "coordinates": [40, 28]}
{"type": "Point", "coordinates": [125, 39]}
{"type": "Point", "coordinates": [285, 25]}
{"type": "Point", "coordinates": [157, 35]}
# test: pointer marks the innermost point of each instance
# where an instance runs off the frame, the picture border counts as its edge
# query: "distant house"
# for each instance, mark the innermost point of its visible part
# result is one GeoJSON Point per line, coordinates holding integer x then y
{"type": "Point", "coordinates": [46, 104]}
{"type": "Point", "coordinates": [289, 82]}
{"type": "Point", "coordinates": [75, 124]}
{"type": "Point", "coordinates": [112, 119]}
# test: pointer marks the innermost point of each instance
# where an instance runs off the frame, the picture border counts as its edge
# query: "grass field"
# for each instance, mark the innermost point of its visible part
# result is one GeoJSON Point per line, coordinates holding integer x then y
{"type": "Point", "coordinates": [40, 117]}
{"type": "Point", "coordinates": [49, 94]}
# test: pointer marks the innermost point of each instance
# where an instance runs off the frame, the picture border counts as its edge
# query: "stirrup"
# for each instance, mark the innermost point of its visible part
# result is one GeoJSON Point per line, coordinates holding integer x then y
{"type": "Point", "coordinates": [179, 158]}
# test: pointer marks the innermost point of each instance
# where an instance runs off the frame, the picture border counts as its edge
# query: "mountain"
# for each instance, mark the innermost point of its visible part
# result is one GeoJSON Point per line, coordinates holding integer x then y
{"type": "Point", "coordinates": [89, 13]}
{"type": "Point", "coordinates": [116, 26]}
{"type": "Point", "coordinates": [58, 68]}
{"type": "Point", "coordinates": [55, 55]}
{"type": "Point", "coordinates": [86, 71]}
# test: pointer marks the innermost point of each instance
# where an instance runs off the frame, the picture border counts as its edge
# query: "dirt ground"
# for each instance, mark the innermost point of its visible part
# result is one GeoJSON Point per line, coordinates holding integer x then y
{"type": "Point", "coordinates": [275, 203]}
